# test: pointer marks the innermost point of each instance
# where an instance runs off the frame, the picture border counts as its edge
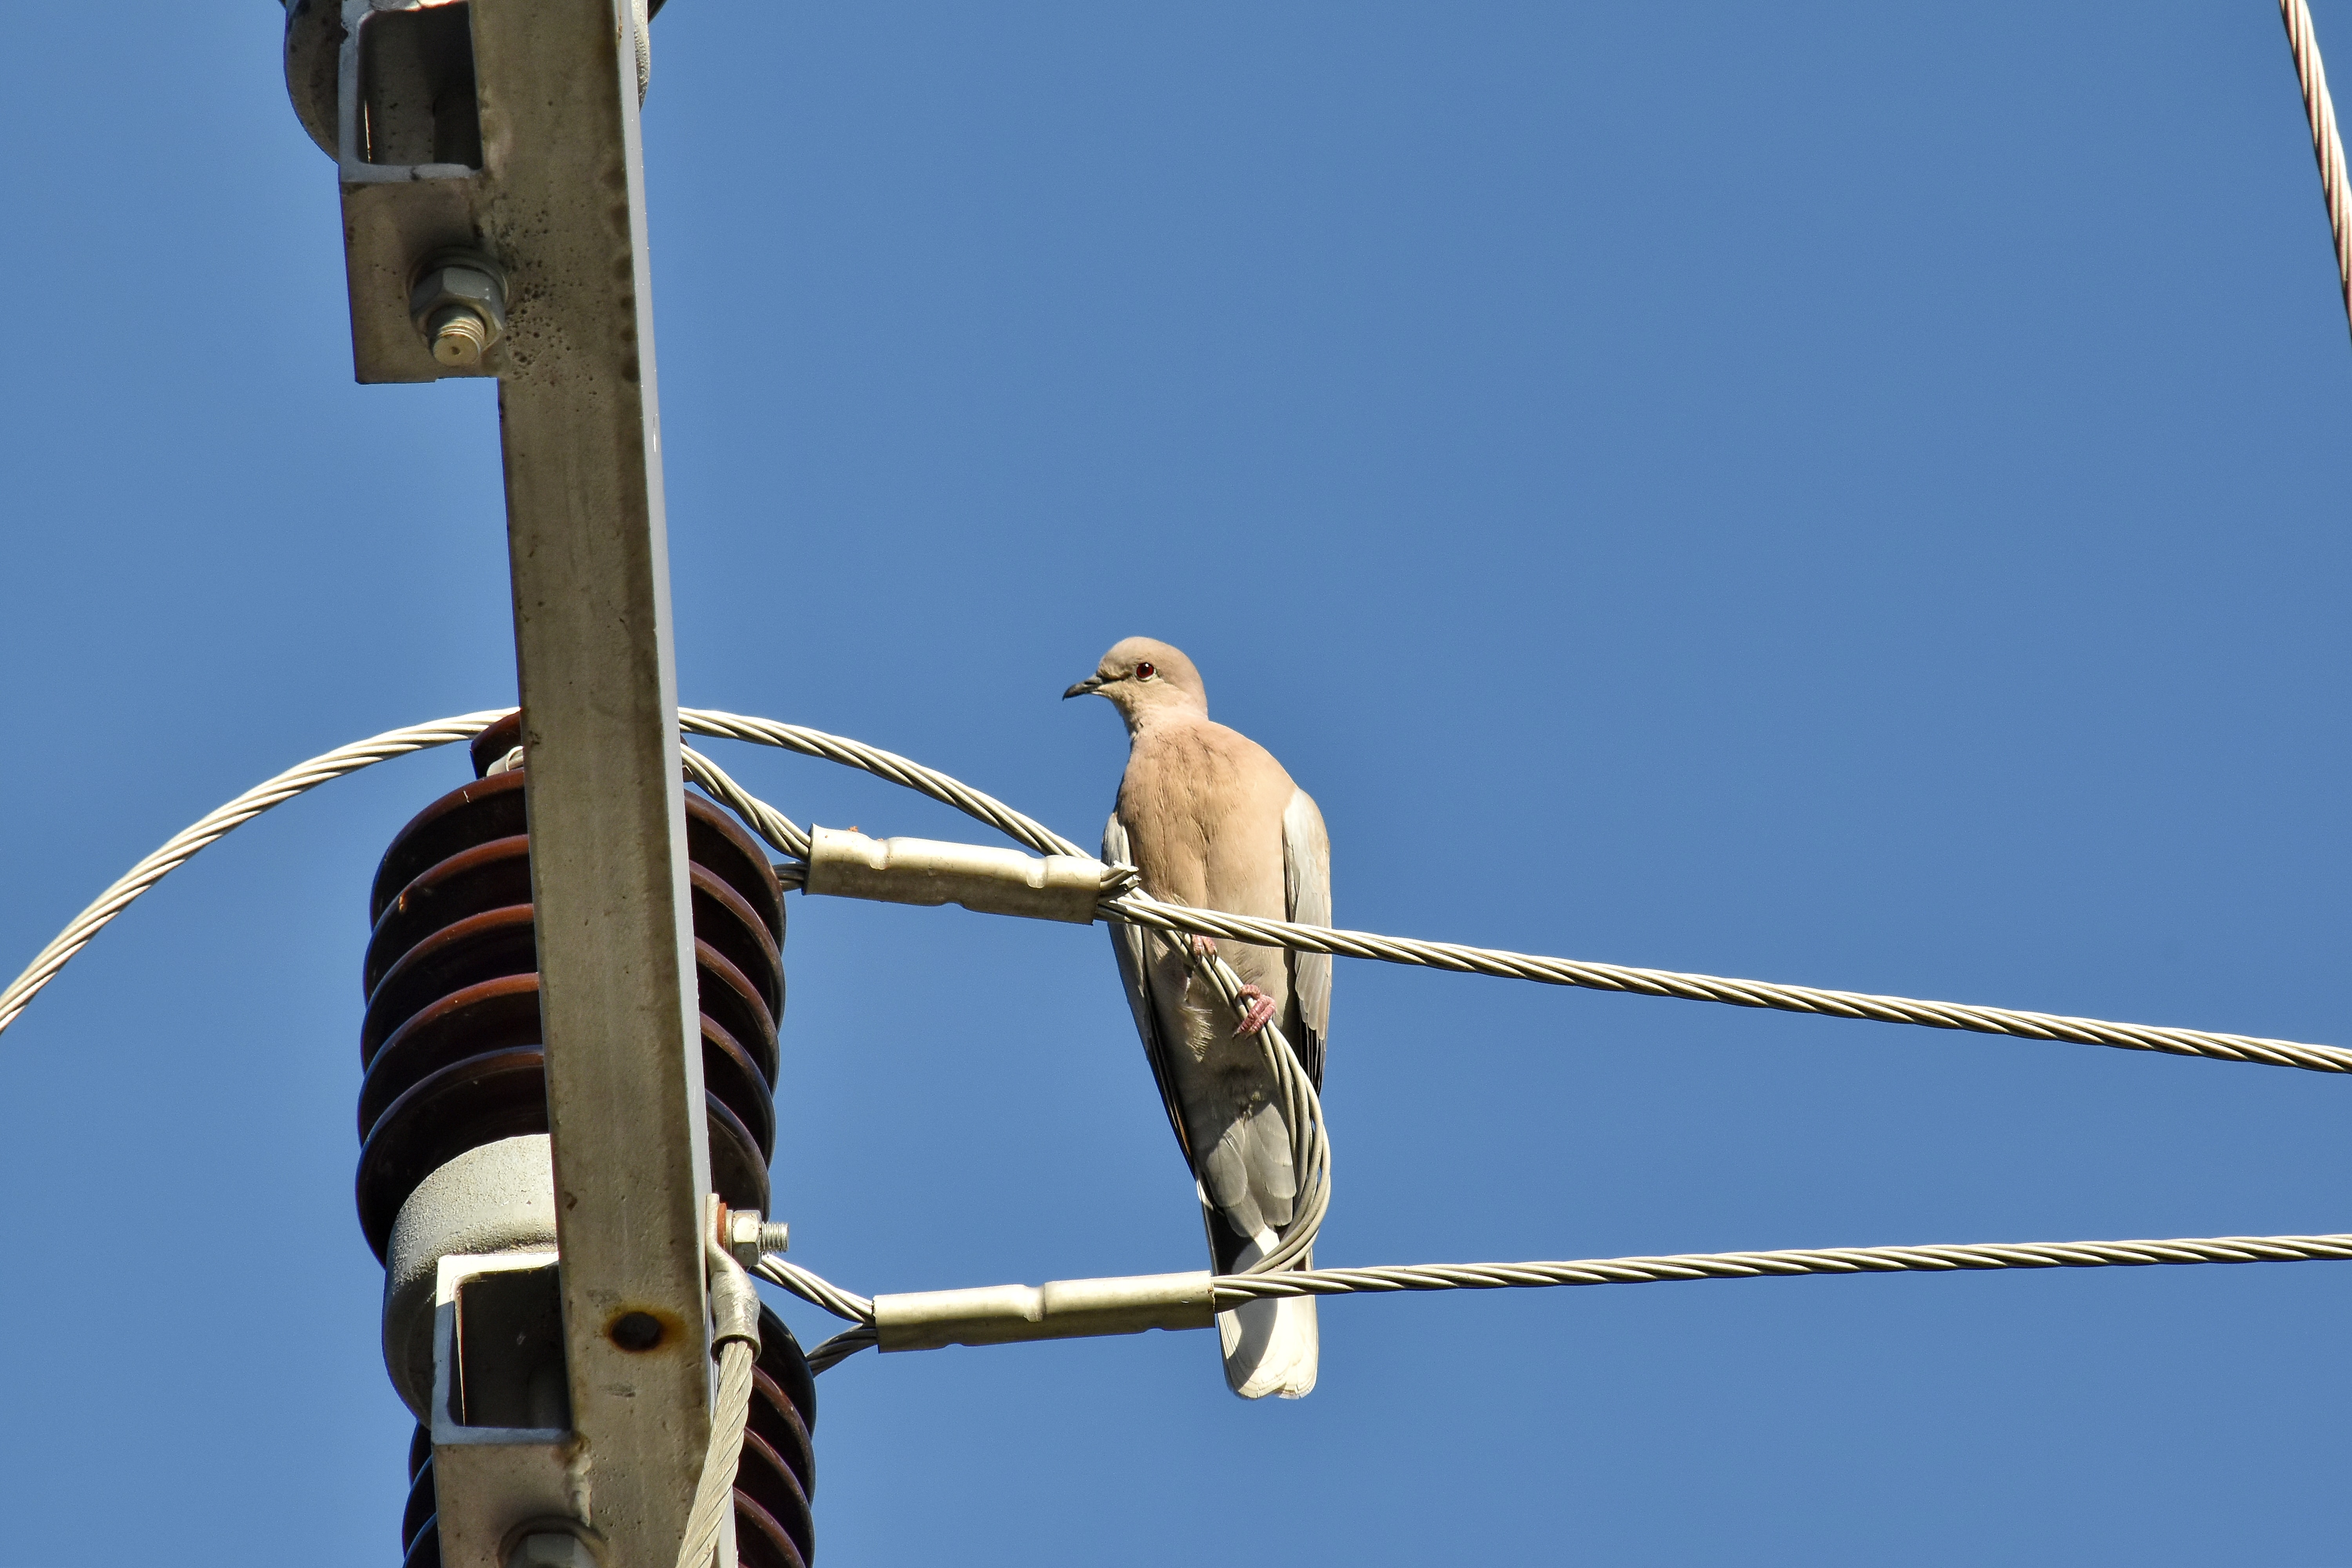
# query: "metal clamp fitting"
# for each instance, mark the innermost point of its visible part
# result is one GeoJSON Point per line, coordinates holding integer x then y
{"type": "Point", "coordinates": [734, 1302]}
{"type": "Point", "coordinates": [926, 871]}
{"type": "Point", "coordinates": [1059, 1310]}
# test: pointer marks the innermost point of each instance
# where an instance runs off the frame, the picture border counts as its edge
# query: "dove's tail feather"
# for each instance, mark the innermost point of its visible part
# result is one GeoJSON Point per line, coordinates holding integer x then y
{"type": "Point", "coordinates": [1270, 1347]}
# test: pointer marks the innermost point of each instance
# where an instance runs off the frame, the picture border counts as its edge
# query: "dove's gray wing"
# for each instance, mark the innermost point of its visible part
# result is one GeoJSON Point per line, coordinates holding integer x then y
{"type": "Point", "coordinates": [1129, 944]}
{"type": "Point", "coordinates": [1306, 882]}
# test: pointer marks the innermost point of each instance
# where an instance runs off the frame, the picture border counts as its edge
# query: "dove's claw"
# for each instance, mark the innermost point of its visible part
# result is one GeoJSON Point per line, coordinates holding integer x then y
{"type": "Point", "coordinates": [1205, 947]}
{"type": "Point", "coordinates": [1259, 1013]}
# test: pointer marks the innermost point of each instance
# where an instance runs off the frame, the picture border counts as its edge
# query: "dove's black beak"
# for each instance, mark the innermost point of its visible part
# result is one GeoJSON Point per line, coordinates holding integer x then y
{"type": "Point", "coordinates": [1091, 683]}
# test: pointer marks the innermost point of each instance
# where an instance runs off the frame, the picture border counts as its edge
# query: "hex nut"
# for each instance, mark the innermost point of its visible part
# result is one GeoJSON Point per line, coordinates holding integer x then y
{"type": "Point", "coordinates": [551, 1549]}
{"type": "Point", "coordinates": [749, 1239]}
{"type": "Point", "coordinates": [459, 304]}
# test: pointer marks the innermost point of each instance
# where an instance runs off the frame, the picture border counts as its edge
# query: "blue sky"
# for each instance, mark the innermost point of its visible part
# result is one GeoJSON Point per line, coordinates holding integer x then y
{"type": "Point", "coordinates": [1849, 495]}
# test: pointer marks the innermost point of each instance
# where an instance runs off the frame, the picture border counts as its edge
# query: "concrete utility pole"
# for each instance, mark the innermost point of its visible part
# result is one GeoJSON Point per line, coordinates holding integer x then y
{"type": "Point", "coordinates": [493, 192]}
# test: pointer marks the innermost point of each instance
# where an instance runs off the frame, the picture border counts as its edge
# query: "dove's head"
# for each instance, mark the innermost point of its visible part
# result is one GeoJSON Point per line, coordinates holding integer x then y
{"type": "Point", "coordinates": [1145, 678]}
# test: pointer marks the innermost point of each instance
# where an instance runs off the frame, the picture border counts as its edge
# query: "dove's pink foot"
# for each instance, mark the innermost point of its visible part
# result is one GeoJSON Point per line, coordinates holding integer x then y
{"type": "Point", "coordinates": [1205, 947]}
{"type": "Point", "coordinates": [1260, 1012]}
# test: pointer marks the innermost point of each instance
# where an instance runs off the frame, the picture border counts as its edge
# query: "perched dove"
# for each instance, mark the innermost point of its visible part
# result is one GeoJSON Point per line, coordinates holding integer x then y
{"type": "Point", "coordinates": [1211, 819]}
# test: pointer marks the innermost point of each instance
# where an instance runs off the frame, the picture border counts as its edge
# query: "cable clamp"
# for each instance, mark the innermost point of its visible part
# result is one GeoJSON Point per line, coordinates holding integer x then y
{"type": "Point", "coordinates": [988, 880]}
{"type": "Point", "coordinates": [734, 1300]}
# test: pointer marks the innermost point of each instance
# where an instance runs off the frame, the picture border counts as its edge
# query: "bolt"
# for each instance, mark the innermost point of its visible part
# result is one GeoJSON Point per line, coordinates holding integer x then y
{"type": "Point", "coordinates": [749, 1238]}
{"type": "Point", "coordinates": [458, 302]}
{"type": "Point", "coordinates": [459, 335]}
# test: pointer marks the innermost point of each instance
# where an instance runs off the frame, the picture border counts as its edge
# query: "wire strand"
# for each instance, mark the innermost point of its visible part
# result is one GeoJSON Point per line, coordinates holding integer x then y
{"type": "Point", "coordinates": [715, 1490]}
{"type": "Point", "coordinates": [1139, 909]}
{"type": "Point", "coordinates": [817, 1292]}
{"type": "Point", "coordinates": [217, 824]}
{"type": "Point", "coordinates": [2327, 142]}
{"type": "Point", "coordinates": [1233, 1289]}
{"type": "Point", "coordinates": [1230, 1290]}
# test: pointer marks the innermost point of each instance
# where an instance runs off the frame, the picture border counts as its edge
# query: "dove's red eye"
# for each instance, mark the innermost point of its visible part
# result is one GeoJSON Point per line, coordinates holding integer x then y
{"type": "Point", "coordinates": [1142, 672]}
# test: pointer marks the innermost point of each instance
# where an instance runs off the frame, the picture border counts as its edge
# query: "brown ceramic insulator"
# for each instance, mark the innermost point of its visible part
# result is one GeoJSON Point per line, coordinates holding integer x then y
{"type": "Point", "coordinates": [501, 1013]}
{"type": "Point", "coordinates": [451, 1039]}
{"type": "Point", "coordinates": [483, 961]}
{"type": "Point", "coordinates": [424, 1552]}
{"type": "Point", "coordinates": [501, 1094]}
{"type": "Point", "coordinates": [776, 1476]}
{"type": "Point", "coordinates": [789, 1369]}
{"type": "Point", "coordinates": [762, 1475]}
{"type": "Point", "coordinates": [776, 1422]}
{"type": "Point", "coordinates": [759, 1541]}
{"type": "Point", "coordinates": [497, 874]}
{"type": "Point", "coordinates": [492, 808]}
{"type": "Point", "coordinates": [493, 876]}
{"type": "Point", "coordinates": [422, 1507]}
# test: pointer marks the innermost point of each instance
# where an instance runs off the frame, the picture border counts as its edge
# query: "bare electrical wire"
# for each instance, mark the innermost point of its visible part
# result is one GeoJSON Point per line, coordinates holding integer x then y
{"type": "Point", "coordinates": [2327, 142]}
{"type": "Point", "coordinates": [785, 836]}
{"type": "Point", "coordinates": [1228, 1290]}
{"type": "Point", "coordinates": [1231, 1290]}
{"type": "Point", "coordinates": [817, 1292]}
{"type": "Point", "coordinates": [217, 824]}
{"type": "Point", "coordinates": [1149, 912]}
{"type": "Point", "coordinates": [715, 1491]}
{"type": "Point", "coordinates": [841, 1347]}
{"type": "Point", "coordinates": [1140, 909]}
{"type": "Point", "coordinates": [1311, 1148]}
{"type": "Point", "coordinates": [1302, 1112]}
{"type": "Point", "coordinates": [885, 764]}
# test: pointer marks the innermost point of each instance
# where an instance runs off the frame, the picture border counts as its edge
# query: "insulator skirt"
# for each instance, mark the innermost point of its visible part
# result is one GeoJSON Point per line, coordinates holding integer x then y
{"type": "Point", "coordinates": [773, 1480]}
{"type": "Point", "coordinates": [420, 1522]}
{"type": "Point", "coordinates": [455, 1059]}
{"type": "Point", "coordinates": [776, 1477]}
{"type": "Point", "coordinates": [422, 1508]}
{"type": "Point", "coordinates": [451, 1040]}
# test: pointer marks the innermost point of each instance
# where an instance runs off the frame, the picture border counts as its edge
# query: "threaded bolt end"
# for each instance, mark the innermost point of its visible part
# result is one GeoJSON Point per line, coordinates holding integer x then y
{"type": "Point", "coordinates": [775, 1235]}
{"type": "Point", "coordinates": [459, 335]}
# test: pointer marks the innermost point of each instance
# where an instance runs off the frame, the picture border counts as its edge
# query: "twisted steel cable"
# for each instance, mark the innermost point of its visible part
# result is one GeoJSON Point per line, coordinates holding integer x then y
{"type": "Point", "coordinates": [2326, 144]}
{"type": "Point", "coordinates": [214, 824]}
{"type": "Point", "coordinates": [824, 1293]}
{"type": "Point", "coordinates": [885, 764]}
{"type": "Point", "coordinates": [782, 833]}
{"type": "Point", "coordinates": [1302, 1113]}
{"type": "Point", "coordinates": [817, 1292]}
{"type": "Point", "coordinates": [1139, 910]}
{"type": "Point", "coordinates": [1231, 1290]}
{"type": "Point", "coordinates": [841, 1347]}
{"type": "Point", "coordinates": [715, 1491]}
